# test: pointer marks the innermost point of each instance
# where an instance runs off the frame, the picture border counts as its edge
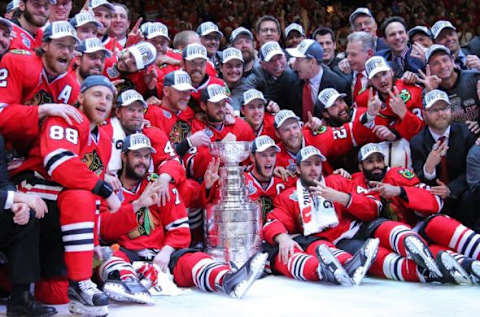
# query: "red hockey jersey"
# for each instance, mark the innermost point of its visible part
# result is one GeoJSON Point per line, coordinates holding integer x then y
{"type": "Point", "coordinates": [21, 39]}
{"type": "Point", "coordinates": [148, 228]}
{"type": "Point", "coordinates": [286, 218]}
{"type": "Point", "coordinates": [23, 87]}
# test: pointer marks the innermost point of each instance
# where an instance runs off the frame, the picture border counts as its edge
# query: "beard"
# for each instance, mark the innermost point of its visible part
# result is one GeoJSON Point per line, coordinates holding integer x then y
{"type": "Point", "coordinates": [29, 18]}
{"type": "Point", "coordinates": [377, 177]}
{"type": "Point", "coordinates": [248, 56]}
{"type": "Point", "coordinates": [130, 172]}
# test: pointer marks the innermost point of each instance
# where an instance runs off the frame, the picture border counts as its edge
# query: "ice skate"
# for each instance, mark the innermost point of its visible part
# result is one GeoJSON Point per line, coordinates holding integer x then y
{"type": "Point", "coordinates": [237, 283]}
{"type": "Point", "coordinates": [329, 269]}
{"type": "Point", "coordinates": [87, 299]}
{"type": "Point", "coordinates": [358, 266]}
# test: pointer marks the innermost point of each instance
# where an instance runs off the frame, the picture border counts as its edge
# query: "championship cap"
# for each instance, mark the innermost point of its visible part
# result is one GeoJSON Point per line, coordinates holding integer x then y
{"type": "Point", "coordinates": [194, 50]}
{"type": "Point", "coordinates": [151, 30]}
{"type": "Point", "coordinates": [307, 48]}
{"type": "Point", "coordinates": [436, 48]}
{"type": "Point", "coordinates": [420, 29]}
{"type": "Point", "coordinates": [97, 3]}
{"type": "Point", "coordinates": [130, 96]}
{"type": "Point", "coordinates": [307, 152]}
{"type": "Point", "coordinates": [252, 94]}
{"type": "Point", "coordinates": [376, 64]}
{"type": "Point", "coordinates": [82, 18]}
{"type": "Point", "coordinates": [282, 116]}
{"type": "Point", "coordinates": [433, 96]}
{"type": "Point", "coordinates": [97, 80]}
{"type": "Point", "coordinates": [328, 96]}
{"type": "Point", "coordinates": [231, 53]}
{"type": "Point", "coordinates": [269, 50]}
{"type": "Point", "coordinates": [92, 45]}
{"type": "Point", "coordinates": [439, 26]}
{"type": "Point", "coordinates": [214, 93]}
{"type": "Point", "coordinates": [294, 27]}
{"type": "Point", "coordinates": [144, 54]}
{"type": "Point", "coordinates": [12, 5]}
{"type": "Point", "coordinates": [238, 31]}
{"type": "Point", "coordinates": [58, 30]}
{"type": "Point", "coordinates": [179, 79]}
{"type": "Point", "coordinates": [262, 143]}
{"type": "Point", "coordinates": [208, 27]}
{"type": "Point", "coordinates": [367, 150]}
{"type": "Point", "coordinates": [137, 141]}
{"type": "Point", "coordinates": [357, 12]}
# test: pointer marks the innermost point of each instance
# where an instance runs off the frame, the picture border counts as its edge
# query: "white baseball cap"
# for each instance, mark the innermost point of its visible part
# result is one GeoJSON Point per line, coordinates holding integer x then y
{"type": "Point", "coordinates": [97, 3]}
{"type": "Point", "coordinates": [436, 48]}
{"type": "Point", "coordinates": [376, 64]}
{"type": "Point", "coordinates": [328, 96]}
{"type": "Point", "coordinates": [231, 53]}
{"type": "Point", "coordinates": [294, 27]}
{"type": "Point", "coordinates": [144, 54]}
{"type": "Point", "coordinates": [433, 96]}
{"type": "Point", "coordinates": [194, 50]}
{"type": "Point", "coordinates": [439, 26]}
{"type": "Point", "coordinates": [284, 115]}
{"type": "Point", "coordinates": [130, 96]}
{"type": "Point", "coordinates": [307, 152]}
{"type": "Point", "coordinates": [214, 93]}
{"type": "Point", "coordinates": [151, 30]}
{"type": "Point", "coordinates": [357, 12]}
{"type": "Point", "coordinates": [262, 143]}
{"type": "Point", "coordinates": [208, 27]}
{"type": "Point", "coordinates": [367, 150]}
{"type": "Point", "coordinates": [179, 79]}
{"type": "Point", "coordinates": [137, 141]}
{"type": "Point", "coordinates": [252, 94]}
{"type": "Point", "coordinates": [269, 50]}
{"type": "Point", "coordinates": [307, 48]}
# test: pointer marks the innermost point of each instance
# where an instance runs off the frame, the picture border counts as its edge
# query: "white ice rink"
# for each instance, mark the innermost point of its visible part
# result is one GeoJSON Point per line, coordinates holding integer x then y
{"type": "Point", "coordinates": [278, 296]}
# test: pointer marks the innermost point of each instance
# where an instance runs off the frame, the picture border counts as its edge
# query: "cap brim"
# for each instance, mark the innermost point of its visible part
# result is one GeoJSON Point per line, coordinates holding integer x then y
{"type": "Point", "coordinates": [322, 157]}
{"type": "Point", "coordinates": [155, 34]}
{"type": "Point", "coordinates": [365, 156]}
{"type": "Point", "coordinates": [266, 147]}
{"type": "Point", "coordinates": [272, 54]}
{"type": "Point", "coordinates": [145, 105]}
{"type": "Point", "coordinates": [295, 53]}
{"type": "Point", "coordinates": [192, 57]}
{"type": "Point", "coordinates": [285, 119]}
{"type": "Point", "coordinates": [140, 146]}
{"type": "Point", "coordinates": [62, 35]}
{"type": "Point", "coordinates": [443, 28]}
{"type": "Point", "coordinates": [232, 58]}
{"type": "Point", "coordinates": [378, 70]}
{"type": "Point", "coordinates": [431, 103]}
{"type": "Point", "coordinates": [218, 98]}
{"type": "Point", "coordinates": [342, 95]}
{"type": "Point", "coordinates": [210, 32]}
{"type": "Point", "coordinates": [183, 87]}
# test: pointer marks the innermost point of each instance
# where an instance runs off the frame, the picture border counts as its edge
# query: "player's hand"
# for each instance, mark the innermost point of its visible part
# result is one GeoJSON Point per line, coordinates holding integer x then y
{"type": "Point", "coordinates": [150, 78]}
{"type": "Point", "coordinates": [409, 78]}
{"type": "Point", "coordinates": [165, 59]}
{"type": "Point", "coordinates": [113, 180]}
{"type": "Point", "coordinates": [135, 35]}
{"type": "Point", "coordinates": [148, 197]}
{"type": "Point", "coordinates": [163, 189]}
{"type": "Point", "coordinates": [397, 104]}
{"type": "Point", "coordinates": [199, 138]}
{"type": "Point", "coordinates": [435, 156]}
{"type": "Point", "coordinates": [384, 133]}
{"type": "Point", "coordinates": [343, 173]}
{"type": "Point", "coordinates": [441, 190]}
{"type": "Point", "coordinates": [429, 81]}
{"type": "Point", "coordinates": [473, 126]}
{"type": "Point", "coordinates": [21, 213]}
{"type": "Point", "coordinates": [329, 193]}
{"type": "Point", "coordinates": [472, 62]}
{"type": "Point", "coordinates": [418, 51]}
{"type": "Point", "coordinates": [163, 258]}
{"type": "Point", "coordinates": [286, 247]}
{"type": "Point", "coordinates": [386, 191]}
{"type": "Point", "coordinates": [344, 66]}
{"type": "Point", "coordinates": [33, 201]}
{"type": "Point", "coordinates": [272, 107]}
{"type": "Point", "coordinates": [283, 173]}
{"type": "Point", "coordinates": [211, 174]}
{"type": "Point", "coordinates": [229, 114]}
{"type": "Point", "coordinates": [313, 123]}
{"type": "Point", "coordinates": [64, 111]}
{"type": "Point", "coordinates": [152, 100]}
{"type": "Point", "coordinates": [113, 203]}
{"type": "Point", "coordinates": [374, 104]}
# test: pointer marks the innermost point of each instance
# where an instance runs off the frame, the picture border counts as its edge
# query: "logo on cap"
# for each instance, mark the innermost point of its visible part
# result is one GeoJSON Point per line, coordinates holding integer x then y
{"type": "Point", "coordinates": [216, 93]}
{"type": "Point", "coordinates": [328, 96]}
{"type": "Point", "coordinates": [231, 53]}
{"type": "Point", "coordinates": [82, 18]}
{"type": "Point", "coordinates": [283, 115]}
{"type": "Point", "coordinates": [262, 143]}
{"type": "Point", "coordinates": [238, 31]}
{"type": "Point", "coordinates": [375, 65]}
{"type": "Point", "coordinates": [193, 51]}
{"type": "Point", "coordinates": [369, 149]}
{"type": "Point", "coordinates": [439, 26]}
{"type": "Point", "coordinates": [252, 94]}
{"type": "Point", "coordinates": [433, 96]}
{"type": "Point", "coordinates": [207, 28]}
{"type": "Point", "coordinates": [307, 152]}
{"type": "Point", "coordinates": [154, 29]}
{"type": "Point", "coordinates": [93, 44]}
{"type": "Point", "coordinates": [130, 96]}
{"type": "Point", "coordinates": [269, 50]}
{"type": "Point", "coordinates": [137, 141]}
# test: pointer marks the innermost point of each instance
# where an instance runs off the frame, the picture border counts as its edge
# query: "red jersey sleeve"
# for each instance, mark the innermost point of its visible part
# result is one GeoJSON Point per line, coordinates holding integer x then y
{"type": "Point", "coordinates": [175, 220]}
{"type": "Point", "coordinates": [281, 219]}
{"type": "Point", "coordinates": [115, 225]}
{"type": "Point", "coordinates": [61, 149]}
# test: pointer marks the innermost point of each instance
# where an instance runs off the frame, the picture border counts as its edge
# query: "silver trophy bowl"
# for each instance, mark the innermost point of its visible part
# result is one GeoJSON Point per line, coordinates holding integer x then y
{"type": "Point", "coordinates": [233, 225]}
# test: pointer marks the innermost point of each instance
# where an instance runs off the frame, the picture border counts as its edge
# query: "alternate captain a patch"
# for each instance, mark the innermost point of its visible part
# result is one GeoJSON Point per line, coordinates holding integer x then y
{"type": "Point", "coordinates": [408, 174]}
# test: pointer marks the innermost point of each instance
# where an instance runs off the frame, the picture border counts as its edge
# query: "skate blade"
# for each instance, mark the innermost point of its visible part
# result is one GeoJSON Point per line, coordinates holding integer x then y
{"type": "Point", "coordinates": [454, 270]}
{"type": "Point", "coordinates": [340, 274]}
{"type": "Point", "coordinates": [371, 250]}
{"type": "Point", "coordinates": [256, 269]}
{"type": "Point", "coordinates": [117, 293]}
{"type": "Point", "coordinates": [415, 248]}
{"type": "Point", "coordinates": [75, 307]}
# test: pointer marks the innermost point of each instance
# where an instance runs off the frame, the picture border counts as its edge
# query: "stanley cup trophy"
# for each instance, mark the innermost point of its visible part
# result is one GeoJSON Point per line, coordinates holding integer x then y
{"type": "Point", "coordinates": [233, 226]}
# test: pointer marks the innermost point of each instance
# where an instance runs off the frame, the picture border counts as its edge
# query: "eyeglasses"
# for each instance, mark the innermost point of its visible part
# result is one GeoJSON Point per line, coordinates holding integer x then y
{"type": "Point", "coordinates": [439, 109]}
{"type": "Point", "coordinates": [268, 30]}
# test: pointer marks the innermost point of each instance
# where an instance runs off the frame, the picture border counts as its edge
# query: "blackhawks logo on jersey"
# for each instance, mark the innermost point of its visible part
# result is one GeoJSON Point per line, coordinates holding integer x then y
{"type": "Point", "coordinates": [179, 132]}
{"type": "Point", "coordinates": [147, 222]}
{"type": "Point", "coordinates": [408, 174]}
{"type": "Point", "coordinates": [40, 98]}
{"type": "Point", "coordinates": [94, 162]}
{"type": "Point", "coordinates": [320, 130]}
{"type": "Point", "coordinates": [266, 203]}
{"type": "Point", "coordinates": [405, 95]}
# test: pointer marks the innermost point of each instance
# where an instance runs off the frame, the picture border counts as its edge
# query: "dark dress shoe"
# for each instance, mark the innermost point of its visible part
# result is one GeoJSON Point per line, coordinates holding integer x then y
{"type": "Point", "coordinates": [26, 305]}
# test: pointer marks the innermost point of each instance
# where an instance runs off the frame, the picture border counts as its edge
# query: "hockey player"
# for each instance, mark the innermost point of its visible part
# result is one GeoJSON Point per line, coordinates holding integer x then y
{"type": "Point", "coordinates": [92, 58]}
{"type": "Point", "coordinates": [411, 202]}
{"type": "Point", "coordinates": [253, 112]}
{"type": "Point", "coordinates": [103, 11]}
{"type": "Point", "coordinates": [5, 31]}
{"type": "Point", "coordinates": [27, 30]}
{"type": "Point", "coordinates": [398, 104]}
{"type": "Point", "coordinates": [67, 166]}
{"type": "Point", "coordinates": [320, 211]}
{"type": "Point", "coordinates": [149, 232]}
{"type": "Point", "coordinates": [85, 25]}
{"type": "Point", "coordinates": [45, 83]}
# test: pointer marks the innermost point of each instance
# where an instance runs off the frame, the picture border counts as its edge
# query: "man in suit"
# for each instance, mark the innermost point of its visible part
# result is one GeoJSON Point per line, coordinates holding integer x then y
{"type": "Point", "coordinates": [19, 231]}
{"type": "Point", "coordinates": [399, 52]}
{"type": "Point", "coordinates": [316, 76]}
{"type": "Point", "coordinates": [362, 20]}
{"type": "Point", "coordinates": [439, 155]}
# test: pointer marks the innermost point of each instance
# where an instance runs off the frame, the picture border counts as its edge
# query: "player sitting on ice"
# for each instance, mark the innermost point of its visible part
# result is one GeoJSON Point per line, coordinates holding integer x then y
{"type": "Point", "coordinates": [148, 232]}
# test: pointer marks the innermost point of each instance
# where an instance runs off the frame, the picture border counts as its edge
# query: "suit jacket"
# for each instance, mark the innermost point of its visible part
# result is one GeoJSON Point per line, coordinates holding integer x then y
{"type": "Point", "coordinates": [5, 185]}
{"type": "Point", "coordinates": [380, 44]}
{"type": "Point", "coordinates": [330, 79]}
{"type": "Point", "coordinates": [473, 169]}
{"type": "Point", "coordinates": [473, 47]}
{"type": "Point", "coordinates": [412, 64]}
{"type": "Point", "coordinates": [460, 141]}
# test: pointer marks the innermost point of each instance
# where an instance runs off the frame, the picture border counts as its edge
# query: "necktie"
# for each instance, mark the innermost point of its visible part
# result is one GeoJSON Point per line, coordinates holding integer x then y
{"type": "Point", "coordinates": [358, 85]}
{"type": "Point", "coordinates": [443, 164]}
{"type": "Point", "coordinates": [307, 102]}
